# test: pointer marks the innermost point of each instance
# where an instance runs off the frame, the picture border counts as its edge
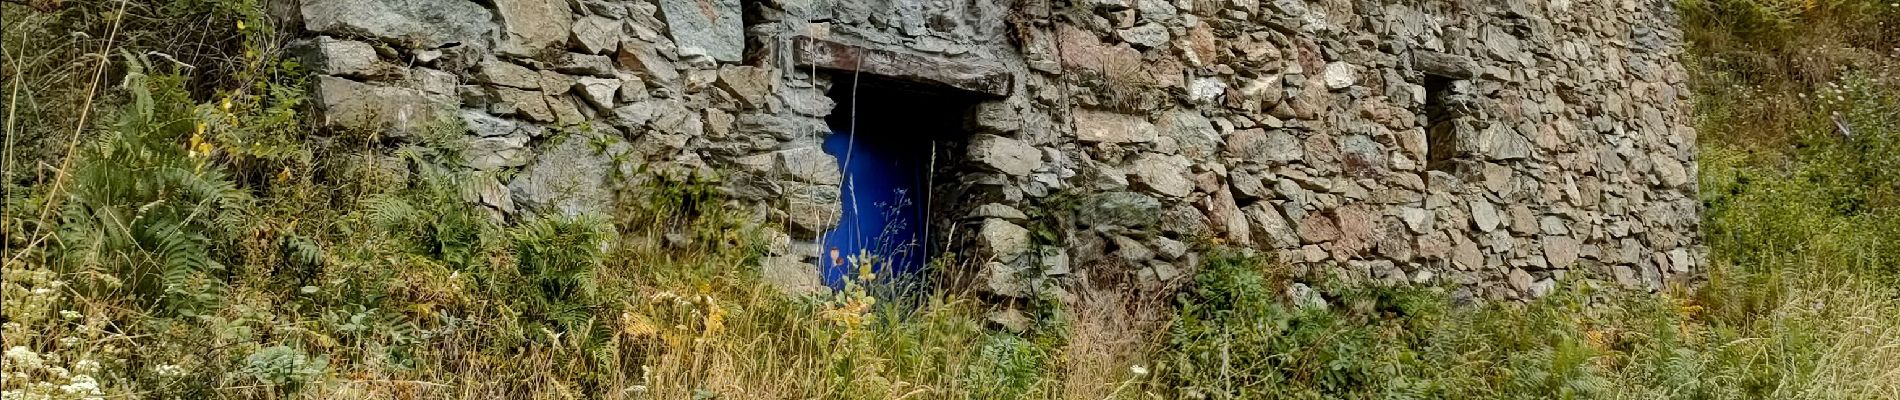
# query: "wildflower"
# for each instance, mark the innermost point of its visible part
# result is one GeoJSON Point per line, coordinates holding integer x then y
{"type": "Point", "coordinates": [68, 341]}
{"type": "Point", "coordinates": [86, 366]}
{"type": "Point", "coordinates": [169, 370]}
{"type": "Point", "coordinates": [240, 24]}
{"type": "Point", "coordinates": [70, 314]}
{"type": "Point", "coordinates": [1138, 370]}
{"type": "Point", "coordinates": [23, 357]}
{"type": "Point", "coordinates": [82, 385]}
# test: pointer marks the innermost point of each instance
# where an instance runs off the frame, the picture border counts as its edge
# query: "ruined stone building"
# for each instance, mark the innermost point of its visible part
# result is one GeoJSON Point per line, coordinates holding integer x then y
{"type": "Point", "coordinates": [1493, 146]}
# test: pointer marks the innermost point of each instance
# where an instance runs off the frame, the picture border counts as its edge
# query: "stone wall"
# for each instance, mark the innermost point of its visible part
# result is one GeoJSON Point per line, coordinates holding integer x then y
{"type": "Point", "coordinates": [1494, 146]}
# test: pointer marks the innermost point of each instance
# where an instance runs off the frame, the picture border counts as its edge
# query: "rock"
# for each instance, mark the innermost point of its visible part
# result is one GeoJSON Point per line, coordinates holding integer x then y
{"type": "Point", "coordinates": [1004, 280]}
{"type": "Point", "coordinates": [1164, 175]}
{"type": "Point", "coordinates": [571, 178]}
{"type": "Point", "coordinates": [1169, 249]}
{"type": "Point", "coordinates": [1484, 215]}
{"type": "Point", "coordinates": [1560, 251]}
{"type": "Point", "coordinates": [529, 27]}
{"type": "Point", "coordinates": [490, 192]}
{"type": "Point", "coordinates": [1270, 229]}
{"type": "Point", "coordinates": [1668, 170]}
{"type": "Point", "coordinates": [527, 103]}
{"type": "Point", "coordinates": [1192, 131]}
{"type": "Point", "coordinates": [642, 60]}
{"type": "Point", "coordinates": [585, 64]}
{"type": "Point", "coordinates": [349, 58]}
{"type": "Point", "coordinates": [393, 111]}
{"type": "Point", "coordinates": [1305, 298]}
{"type": "Point", "coordinates": [507, 74]}
{"type": "Point", "coordinates": [1206, 90]}
{"type": "Point", "coordinates": [1146, 36]}
{"type": "Point", "coordinates": [1125, 209]}
{"type": "Point", "coordinates": [1009, 319]}
{"type": "Point", "coordinates": [1131, 250]}
{"type": "Point", "coordinates": [808, 164]}
{"type": "Point", "coordinates": [1317, 228]}
{"type": "Point", "coordinates": [423, 24]}
{"type": "Point", "coordinates": [1001, 154]}
{"type": "Point", "coordinates": [600, 92]}
{"type": "Point", "coordinates": [1227, 217]}
{"type": "Point", "coordinates": [484, 125]}
{"type": "Point", "coordinates": [1259, 145]}
{"type": "Point", "coordinates": [711, 25]}
{"type": "Point", "coordinates": [1520, 280]}
{"type": "Point", "coordinates": [1543, 287]}
{"type": "Point", "coordinates": [1445, 65]}
{"type": "Point", "coordinates": [493, 152]}
{"type": "Point", "coordinates": [994, 210]}
{"type": "Point", "coordinates": [1002, 239]}
{"type": "Point", "coordinates": [792, 277]}
{"type": "Point", "coordinates": [596, 35]}
{"type": "Point", "coordinates": [752, 86]}
{"type": "Point", "coordinates": [1466, 255]}
{"type": "Point", "coordinates": [1340, 75]}
{"type": "Point", "coordinates": [1107, 127]}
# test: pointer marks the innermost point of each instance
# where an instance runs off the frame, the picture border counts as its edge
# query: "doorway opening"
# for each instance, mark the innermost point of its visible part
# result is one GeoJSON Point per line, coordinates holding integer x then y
{"type": "Point", "coordinates": [1441, 137]}
{"type": "Point", "coordinates": [897, 145]}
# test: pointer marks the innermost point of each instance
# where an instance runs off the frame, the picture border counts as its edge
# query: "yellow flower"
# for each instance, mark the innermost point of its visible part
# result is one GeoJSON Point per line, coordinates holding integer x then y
{"type": "Point", "coordinates": [637, 325]}
{"type": "Point", "coordinates": [240, 24]}
{"type": "Point", "coordinates": [283, 175]}
{"type": "Point", "coordinates": [226, 104]}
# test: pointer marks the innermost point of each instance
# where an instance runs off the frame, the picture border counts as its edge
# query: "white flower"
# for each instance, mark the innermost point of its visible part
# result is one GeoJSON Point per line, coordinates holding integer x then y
{"type": "Point", "coordinates": [86, 366]}
{"type": "Point", "coordinates": [70, 314]}
{"type": "Point", "coordinates": [1137, 369]}
{"type": "Point", "coordinates": [24, 358]}
{"type": "Point", "coordinates": [82, 385]}
{"type": "Point", "coordinates": [169, 370]}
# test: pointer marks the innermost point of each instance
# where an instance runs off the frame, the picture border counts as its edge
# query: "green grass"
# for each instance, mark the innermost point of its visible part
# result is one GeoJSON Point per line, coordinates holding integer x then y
{"type": "Point", "coordinates": [194, 244]}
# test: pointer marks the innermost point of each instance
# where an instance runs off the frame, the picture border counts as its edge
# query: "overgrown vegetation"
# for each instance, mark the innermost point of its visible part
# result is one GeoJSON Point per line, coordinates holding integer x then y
{"type": "Point", "coordinates": [193, 242]}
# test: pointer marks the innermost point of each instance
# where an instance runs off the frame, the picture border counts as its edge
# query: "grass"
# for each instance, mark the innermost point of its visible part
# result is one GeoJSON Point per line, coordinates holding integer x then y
{"type": "Point", "coordinates": [201, 247]}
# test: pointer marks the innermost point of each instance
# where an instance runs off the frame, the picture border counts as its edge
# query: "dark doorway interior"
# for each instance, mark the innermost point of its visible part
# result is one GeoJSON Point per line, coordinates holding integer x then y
{"type": "Point", "coordinates": [892, 141]}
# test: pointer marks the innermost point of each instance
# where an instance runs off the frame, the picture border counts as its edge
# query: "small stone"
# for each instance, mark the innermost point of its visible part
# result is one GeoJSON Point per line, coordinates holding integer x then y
{"type": "Point", "coordinates": [750, 85]}
{"type": "Point", "coordinates": [994, 210]}
{"type": "Point", "coordinates": [394, 111]}
{"type": "Point", "coordinates": [1148, 36]}
{"type": "Point", "coordinates": [529, 27]}
{"type": "Point", "coordinates": [1009, 319]}
{"type": "Point", "coordinates": [349, 58]}
{"type": "Point", "coordinates": [1107, 127]}
{"type": "Point", "coordinates": [1305, 298]}
{"type": "Point", "coordinates": [487, 153]}
{"type": "Point", "coordinates": [585, 64]}
{"type": "Point", "coordinates": [600, 92]}
{"type": "Point", "coordinates": [641, 59]}
{"type": "Point", "coordinates": [1164, 175]}
{"type": "Point", "coordinates": [507, 74]}
{"type": "Point", "coordinates": [1006, 155]}
{"type": "Point", "coordinates": [1340, 75]}
{"type": "Point", "coordinates": [792, 277]}
{"type": "Point", "coordinates": [425, 24]}
{"type": "Point", "coordinates": [712, 25]}
{"type": "Point", "coordinates": [1484, 216]}
{"type": "Point", "coordinates": [1131, 250]}
{"type": "Point", "coordinates": [1560, 251]}
{"type": "Point", "coordinates": [1170, 249]}
{"type": "Point", "coordinates": [596, 35]}
{"type": "Point", "coordinates": [1002, 238]}
{"type": "Point", "coordinates": [1520, 280]}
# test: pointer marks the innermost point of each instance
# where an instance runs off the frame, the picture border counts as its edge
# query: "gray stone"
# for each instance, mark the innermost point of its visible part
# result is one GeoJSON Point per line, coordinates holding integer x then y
{"type": "Point", "coordinates": [493, 152]}
{"type": "Point", "coordinates": [1192, 132]}
{"type": "Point", "coordinates": [332, 56]}
{"type": "Point", "coordinates": [393, 111]}
{"type": "Point", "coordinates": [424, 24]}
{"type": "Point", "coordinates": [1108, 127]}
{"type": "Point", "coordinates": [1169, 249]}
{"type": "Point", "coordinates": [750, 85]}
{"type": "Point", "coordinates": [1560, 251]}
{"type": "Point", "coordinates": [571, 178]}
{"type": "Point", "coordinates": [994, 210]}
{"type": "Point", "coordinates": [1520, 280]}
{"type": "Point", "coordinates": [585, 64]}
{"type": "Point", "coordinates": [596, 35]}
{"type": "Point", "coordinates": [1002, 239]}
{"type": "Point", "coordinates": [1146, 36]}
{"type": "Point", "coordinates": [1256, 145]}
{"type": "Point", "coordinates": [1484, 216]}
{"type": "Point", "coordinates": [1271, 229]}
{"type": "Point", "coordinates": [1131, 250]}
{"type": "Point", "coordinates": [484, 125]}
{"type": "Point", "coordinates": [1001, 154]}
{"type": "Point", "coordinates": [791, 276]}
{"type": "Point", "coordinates": [529, 27]}
{"type": "Point", "coordinates": [1164, 175]}
{"type": "Point", "coordinates": [1340, 75]}
{"type": "Point", "coordinates": [649, 65]}
{"type": "Point", "coordinates": [808, 164]}
{"type": "Point", "coordinates": [711, 25]}
{"type": "Point", "coordinates": [507, 74]}
{"type": "Point", "coordinates": [1004, 280]}
{"type": "Point", "coordinates": [1125, 209]}
{"type": "Point", "coordinates": [1305, 298]}
{"type": "Point", "coordinates": [600, 92]}
{"type": "Point", "coordinates": [1009, 319]}
{"type": "Point", "coordinates": [1543, 287]}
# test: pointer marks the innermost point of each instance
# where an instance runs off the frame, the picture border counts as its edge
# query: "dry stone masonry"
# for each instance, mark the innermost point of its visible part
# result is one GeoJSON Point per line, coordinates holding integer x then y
{"type": "Point", "coordinates": [1494, 146]}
